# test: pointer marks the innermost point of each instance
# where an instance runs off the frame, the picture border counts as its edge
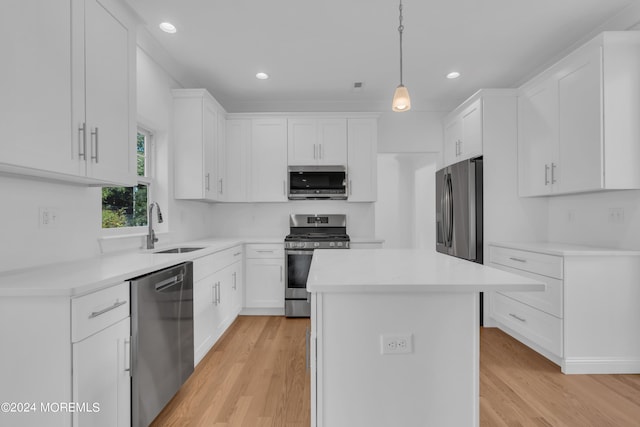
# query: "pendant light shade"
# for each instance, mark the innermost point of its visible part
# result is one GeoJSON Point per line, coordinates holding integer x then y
{"type": "Point", "coordinates": [401, 101]}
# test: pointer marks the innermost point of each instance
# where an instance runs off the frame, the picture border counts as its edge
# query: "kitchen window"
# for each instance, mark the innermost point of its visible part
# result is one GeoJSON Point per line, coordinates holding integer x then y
{"type": "Point", "coordinates": [126, 208]}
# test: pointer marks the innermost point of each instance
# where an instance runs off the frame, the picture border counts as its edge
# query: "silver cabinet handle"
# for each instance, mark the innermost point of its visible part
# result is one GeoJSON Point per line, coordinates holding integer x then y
{"type": "Point", "coordinates": [546, 174]}
{"type": "Point", "coordinates": [553, 173]}
{"type": "Point", "coordinates": [315, 156]}
{"type": "Point", "coordinates": [239, 253]}
{"type": "Point", "coordinates": [265, 251]}
{"type": "Point", "coordinates": [220, 184]}
{"type": "Point", "coordinates": [112, 307]}
{"type": "Point", "coordinates": [517, 259]}
{"type": "Point", "coordinates": [206, 185]}
{"type": "Point", "coordinates": [82, 142]}
{"type": "Point", "coordinates": [218, 293]}
{"type": "Point", "coordinates": [320, 152]}
{"type": "Point", "coordinates": [517, 317]}
{"type": "Point", "coordinates": [95, 157]}
{"type": "Point", "coordinates": [127, 354]}
{"type": "Point", "coordinates": [235, 280]}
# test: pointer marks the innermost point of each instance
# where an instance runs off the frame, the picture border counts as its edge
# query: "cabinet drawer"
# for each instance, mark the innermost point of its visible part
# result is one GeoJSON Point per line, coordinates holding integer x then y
{"type": "Point", "coordinates": [549, 301]}
{"type": "Point", "coordinates": [94, 312]}
{"type": "Point", "coordinates": [207, 265]}
{"type": "Point", "coordinates": [535, 325]}
{"type": "Point", "coordinates": [533, 262]}
{"type": "Point", "coordinates": [272, 250]}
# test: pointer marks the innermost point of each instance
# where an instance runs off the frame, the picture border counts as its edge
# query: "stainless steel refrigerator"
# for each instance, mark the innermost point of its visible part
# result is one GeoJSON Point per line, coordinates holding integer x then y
{"type": "Point", "coordinates": [459, 212]}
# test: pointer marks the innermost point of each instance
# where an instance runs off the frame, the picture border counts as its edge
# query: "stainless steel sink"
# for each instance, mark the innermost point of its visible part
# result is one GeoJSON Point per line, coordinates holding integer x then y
{"type": "Point", "coordinates": [177, 250]}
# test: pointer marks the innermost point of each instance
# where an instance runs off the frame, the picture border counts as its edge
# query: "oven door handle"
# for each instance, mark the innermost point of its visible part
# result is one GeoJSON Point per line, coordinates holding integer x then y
{"type": "Point", "coordinates": [299, 252]}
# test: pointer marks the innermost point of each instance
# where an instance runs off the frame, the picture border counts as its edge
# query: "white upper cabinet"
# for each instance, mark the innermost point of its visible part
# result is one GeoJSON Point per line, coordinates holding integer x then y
{"type": "Point", "coordinates": [463, 132]}
{"type": "Point", "coordinates": [317, 141]}
{"type": "Point", "coordinates": [363, 160]}
{"type": "Point", "coordinates": [73, 119]}
{"type": "Point", "coordinates": [268, 160]}
{"type": "Point", "coordinates": [197, 145]}
{"type": "Point", "coordinates": [578, 126]}
{"type": "Point", "coordinates": [538, 138]}
{"type": "Point", "coordinates": [238, 144]}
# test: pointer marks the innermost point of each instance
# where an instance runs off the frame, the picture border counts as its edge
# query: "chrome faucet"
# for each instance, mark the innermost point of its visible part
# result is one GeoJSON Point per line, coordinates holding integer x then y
{"type": "Point", "coordinates": [151, 237]}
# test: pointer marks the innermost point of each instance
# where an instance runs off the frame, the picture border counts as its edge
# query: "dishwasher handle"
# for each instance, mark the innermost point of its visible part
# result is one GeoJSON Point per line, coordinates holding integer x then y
{"type": "Point", "coordinates": [170, 282]}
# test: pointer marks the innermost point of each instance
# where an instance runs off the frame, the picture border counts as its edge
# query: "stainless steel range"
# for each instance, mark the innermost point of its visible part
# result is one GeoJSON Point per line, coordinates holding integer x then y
{"type": "Point", "coordinates": [308, 232]}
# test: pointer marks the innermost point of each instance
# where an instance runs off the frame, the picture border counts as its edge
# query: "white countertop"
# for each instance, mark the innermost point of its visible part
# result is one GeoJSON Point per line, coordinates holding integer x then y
{"type": "Point", "coordinates": [406, 270]}
{"type": "Point", "coordinates": [81, 277]}
{"type": "Point", "coordinates": [565, 249]}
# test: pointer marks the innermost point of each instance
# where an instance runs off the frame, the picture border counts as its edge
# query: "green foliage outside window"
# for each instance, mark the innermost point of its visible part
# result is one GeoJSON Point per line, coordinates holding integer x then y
{"type": "Point", "coordinates": [127, 206]}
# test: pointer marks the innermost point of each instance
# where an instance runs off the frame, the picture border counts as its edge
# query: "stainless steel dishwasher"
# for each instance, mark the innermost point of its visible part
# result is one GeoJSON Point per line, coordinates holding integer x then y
{"type": "Point", "coordinates": [162, 339]}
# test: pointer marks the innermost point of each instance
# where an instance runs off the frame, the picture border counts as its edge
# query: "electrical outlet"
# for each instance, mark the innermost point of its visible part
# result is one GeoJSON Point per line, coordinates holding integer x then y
{"type": "Point", "coordinates": [396, 344]}
{"type": "Point", "coordinates": [616, 215]}
{"type": "Point", "coordinates": [48, 217]}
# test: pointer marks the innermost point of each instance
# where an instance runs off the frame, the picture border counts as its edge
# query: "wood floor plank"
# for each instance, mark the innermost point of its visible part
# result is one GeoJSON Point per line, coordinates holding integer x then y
{"type": "Point", "coordinates": [256, 376]}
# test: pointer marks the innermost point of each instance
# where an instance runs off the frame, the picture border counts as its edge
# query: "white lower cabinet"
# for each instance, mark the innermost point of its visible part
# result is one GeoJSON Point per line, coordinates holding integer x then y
{"type": "Point", "coordinates": [264, 279]}
{"type": "Point", "coordinates": [587, 319]}
{"type": "Point", "coordinates": [101, 355]}
{"type": "Point", "coordinates": [217, 285]}
{"type": "Point", "coordinates": [101, 381]}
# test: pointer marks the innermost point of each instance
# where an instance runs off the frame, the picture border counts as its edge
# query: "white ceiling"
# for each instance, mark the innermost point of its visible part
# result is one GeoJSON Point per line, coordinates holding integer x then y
{"type": "Point", "coordinates": [314, 50]}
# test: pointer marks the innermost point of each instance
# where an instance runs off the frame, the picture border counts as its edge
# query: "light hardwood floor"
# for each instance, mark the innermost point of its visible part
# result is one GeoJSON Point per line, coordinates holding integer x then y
{"type": "Point", "coordinates": [255, 376]}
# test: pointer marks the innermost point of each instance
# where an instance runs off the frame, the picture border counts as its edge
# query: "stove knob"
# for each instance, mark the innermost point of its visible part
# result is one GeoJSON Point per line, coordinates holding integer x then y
{"type": "Point", "coordinates": [316, 244]}
{"type": "Point", "coordinates": [339, 243]}
{"type": "Point", "coordinates": [302, 244]}
{"type": "Point", "coordinates": [332, 244]}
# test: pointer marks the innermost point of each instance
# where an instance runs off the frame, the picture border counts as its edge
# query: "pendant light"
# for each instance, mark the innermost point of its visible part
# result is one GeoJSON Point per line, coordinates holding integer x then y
{"type": "Point", "coordinates": [401, 100]}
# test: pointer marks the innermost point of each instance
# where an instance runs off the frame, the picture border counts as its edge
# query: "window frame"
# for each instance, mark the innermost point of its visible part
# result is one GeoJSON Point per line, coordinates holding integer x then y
{"type": "Point", "coordinates": [147, 180]}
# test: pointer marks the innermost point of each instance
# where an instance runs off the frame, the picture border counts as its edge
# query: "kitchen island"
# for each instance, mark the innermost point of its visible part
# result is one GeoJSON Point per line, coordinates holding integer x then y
{"type": "Point", "coordinates": [395, 337]}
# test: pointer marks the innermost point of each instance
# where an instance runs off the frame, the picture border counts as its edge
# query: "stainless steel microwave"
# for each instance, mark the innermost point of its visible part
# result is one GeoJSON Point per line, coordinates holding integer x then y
{"type": "Point", "coordinates": [317, 182]}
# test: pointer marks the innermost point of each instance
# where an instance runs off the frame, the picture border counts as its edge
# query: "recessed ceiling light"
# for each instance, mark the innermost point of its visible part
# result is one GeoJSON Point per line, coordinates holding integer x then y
{"type": "Point", "coordinates": [453, 75]}
{"type": "Point", "coordinates": [168, 27]}
{"type": "Point", "coordinates": [262, 76]}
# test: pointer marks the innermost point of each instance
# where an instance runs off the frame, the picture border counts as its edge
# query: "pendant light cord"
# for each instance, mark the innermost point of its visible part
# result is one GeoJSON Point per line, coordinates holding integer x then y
{"type": "Point", "coordinates": [400, 30]}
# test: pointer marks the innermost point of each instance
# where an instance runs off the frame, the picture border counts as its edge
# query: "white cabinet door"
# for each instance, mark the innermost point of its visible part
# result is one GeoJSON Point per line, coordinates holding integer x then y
{"type": "Point", "coordinates": [204, 294]}
{"type": "Point", "coordinates": [196, 120]}
{"type": "Point", "coordinates": [238, 142]}
{"type": "Point", "coordinates": [269, 160]}
{"type": "Point", "coordinates": [237, 286]}
{"type": "Point", "coordinates": [209, 139]}
{"type": "Point", "coordinates": [471, 143]}
{"type": "Point", "coordinates": [101, 366]}
{"type": "Point", "coordinates": [317, 141]}
{"type": "Point", "coordinates": [302, 146]}
{"type": "Point", "coordinates": [108, 81]}
{"type": "Point", "coordinates": [452, 138]}
{"type": "Point", "coordinates": [332, 142]}
{"type": "Point", "coordinates": [463, 133]}
{"type": "Point", "coordinates": [35, 106]}
{"type": "Point", "coordinates": [580, 124]}
{"type": "Point", "coordinates": [221, 159]}
{"type": "Point", "coordinates": [362, 160]}
{"type": "Point", "coordinates": [538, 138]}
{"type": "Point", "coordinates": [265, 283]}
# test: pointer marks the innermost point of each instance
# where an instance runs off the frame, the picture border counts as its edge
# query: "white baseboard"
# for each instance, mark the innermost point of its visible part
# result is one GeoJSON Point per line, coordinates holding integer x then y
{"type": "Point", "coordinates": [600, 365]}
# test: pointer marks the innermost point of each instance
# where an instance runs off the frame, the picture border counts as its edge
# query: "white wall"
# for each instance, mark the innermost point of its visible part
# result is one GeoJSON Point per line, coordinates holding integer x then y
{"type": "Point", "coordinates": [24, 243]}
{"type": "Point", "coordinates": [405, 210]}
{"type": "Point", "coordinates": [410, 132]}
{"type": "Point", "coordinates": [584, 219]}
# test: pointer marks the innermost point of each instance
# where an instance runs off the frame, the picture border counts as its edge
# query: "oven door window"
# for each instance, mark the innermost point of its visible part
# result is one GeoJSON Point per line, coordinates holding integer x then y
{"type": "Point", "coordinates": [298, 264]}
